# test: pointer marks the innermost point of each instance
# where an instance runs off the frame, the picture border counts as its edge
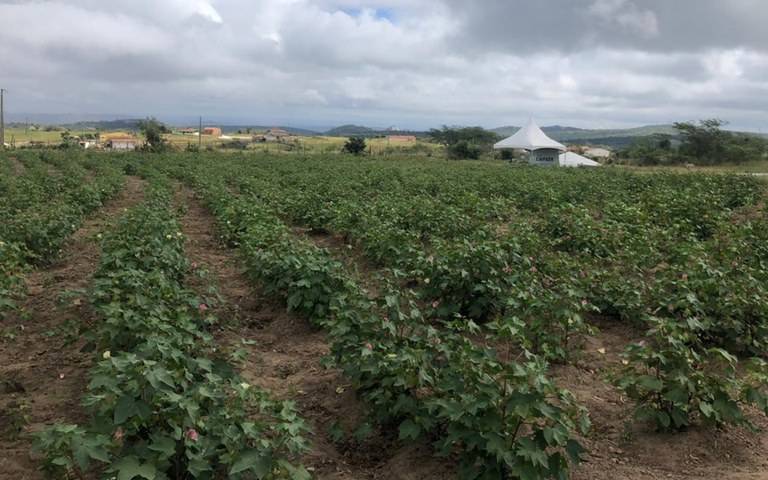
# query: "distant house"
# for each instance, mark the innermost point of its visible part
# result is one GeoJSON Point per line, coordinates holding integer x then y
{"type": "Point", "coordinates": [277, 133]}
{"type": "Point", "coordinates": [212, 131]}
{"type": "Point", "coordinates": [187, 131]}
{"type": "Point", "coordinates": [402, 138]}
{"type": "Point", "coordinates": [595, 152]}
{"type": "Point", "coordinates": [122, 143]}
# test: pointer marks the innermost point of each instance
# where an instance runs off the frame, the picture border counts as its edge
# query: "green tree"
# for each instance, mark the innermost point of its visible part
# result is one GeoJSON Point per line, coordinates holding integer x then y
{"type": "Point", "coordinates": [464, 142]}
{"type": "Point", "coordinates": [703, 142]}
{"type": "Point", "coordinates": [153, 131]}
{"type": "Point", "coordinates": [67, 140]}
{"type": "Point", "coordinates": [355, 145]}
{"type": "Point", "coordinates": [707, 143]}
{"type": "Point", "coordinates": [650, 150]}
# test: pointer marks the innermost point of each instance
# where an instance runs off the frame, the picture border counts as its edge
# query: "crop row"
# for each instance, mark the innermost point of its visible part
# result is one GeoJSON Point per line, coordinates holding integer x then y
{"type": "Point", "coordinates": [679, 255]}
{"type": "Point", "coordinates": [429, 380]}
{"type": "Point", "coordinates": [164, 403]}
{"type": "Point", "coordinates": [40, 209]}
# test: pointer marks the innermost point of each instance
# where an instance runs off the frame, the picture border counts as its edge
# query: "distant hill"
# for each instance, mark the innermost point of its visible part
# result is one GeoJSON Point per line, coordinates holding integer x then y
{"type": "Point", "coordinates": [612, 138]}
{"type": "Point", "coordinates": [262, 128]}
{"type": "Point", "coordinates": [347, 130]}
{"type": "Point", "coordinates": [560, 133]}
{"type": "Point", "coordinates": [361, 131]}
{"type": "Point", "coordinates": [106, 125]}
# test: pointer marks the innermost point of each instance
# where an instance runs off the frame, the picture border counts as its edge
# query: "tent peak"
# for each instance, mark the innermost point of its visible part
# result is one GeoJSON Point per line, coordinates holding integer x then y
{"type": "Point", "coordinates": [531, 138]}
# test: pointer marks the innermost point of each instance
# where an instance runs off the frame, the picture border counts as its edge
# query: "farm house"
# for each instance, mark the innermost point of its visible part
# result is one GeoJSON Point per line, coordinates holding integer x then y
{"type": "Point", "coordinates": [212, 131]}
{"type": "Point", "coordinates": [542, 149]}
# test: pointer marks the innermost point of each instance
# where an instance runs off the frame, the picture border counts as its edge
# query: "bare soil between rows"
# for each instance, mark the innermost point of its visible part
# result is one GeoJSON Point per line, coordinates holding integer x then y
{"type": "Point", "coordinates": [42, 371]}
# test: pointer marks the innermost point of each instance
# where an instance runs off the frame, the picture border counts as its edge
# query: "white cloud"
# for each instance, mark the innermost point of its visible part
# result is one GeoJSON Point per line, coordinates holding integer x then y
{"type": "Point", "coordinates": [389, 61]}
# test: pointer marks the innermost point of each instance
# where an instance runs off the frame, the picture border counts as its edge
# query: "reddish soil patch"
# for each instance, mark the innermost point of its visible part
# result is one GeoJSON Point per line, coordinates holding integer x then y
{"type": "Point", "coordinates": [285, 359]}
{"type": "Point", "coordinates": [42, 371]}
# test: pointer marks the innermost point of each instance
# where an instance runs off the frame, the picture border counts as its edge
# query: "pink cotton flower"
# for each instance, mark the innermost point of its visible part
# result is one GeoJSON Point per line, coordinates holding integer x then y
{"type": "Point", "coordinates": [118, 434]}
{"type": "Point", "coordinates": [192, 434]}
{"type": "Point", "coordinates": [582, 274]}
{"type": "Point", "coordinates": [584, 303]}
{"type": "Point", "coordinates": [369, 346]}
{"type": "Point", "coordinates": [202, 307]}
{"type": "Point", "coordinates": [438, 341]}
{"type": "Point", "coordinates": [435, 304]}
{"type": "Point", "coordinates": [507, 269]}
{"type": "Point", "coordinates": [685, 276]}
{"type": "Point", "coordinates": [194, 265]}
{"type": "Point", "coordinates": [534, 269]}
{"type": "Point", "coordinates": [641, 342]}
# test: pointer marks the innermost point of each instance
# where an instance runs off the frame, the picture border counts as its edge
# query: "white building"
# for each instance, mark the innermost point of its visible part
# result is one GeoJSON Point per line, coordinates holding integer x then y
{"type": "Point", "coordinates": [542, 150]}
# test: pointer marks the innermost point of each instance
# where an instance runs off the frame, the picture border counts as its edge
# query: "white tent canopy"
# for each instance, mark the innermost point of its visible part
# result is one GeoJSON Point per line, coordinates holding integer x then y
{"type": "Point", "coordinates": [531, 138]}
{"type": "Point", "coordinates": [570, 159]}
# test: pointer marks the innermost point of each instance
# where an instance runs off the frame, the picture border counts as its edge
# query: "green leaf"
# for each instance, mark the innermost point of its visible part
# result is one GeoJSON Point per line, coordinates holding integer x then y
{"type": "Point", "coordinates": [408, 429]}
{"type": "Point", "coordinates": [259, 462]}
{"type": "Point", "coordinates": [679, 417]}
{"type": "Point", "coordinates": [124, 409]}
{"type": "Point", "coordinates": [574, 449]}
{"type": "Point", "coordinates": [164, 445]}
{"type": "Point", "coordinates": [663, 419]}
{"type": "Point", "coordinates": [706, 409]}
{"type": "Point", "coordinates": [129, 467]}
{"type": "Point", "coordinates": [652, 384]}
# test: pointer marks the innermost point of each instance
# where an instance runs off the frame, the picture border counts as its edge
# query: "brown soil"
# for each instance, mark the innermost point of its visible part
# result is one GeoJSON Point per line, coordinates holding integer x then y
{"type": "Point", "coordinates": [285, 360]}
{"type": "Point", "coordinates": [620, 447]}
{"type": "Point", "coordinates": [42, 371]}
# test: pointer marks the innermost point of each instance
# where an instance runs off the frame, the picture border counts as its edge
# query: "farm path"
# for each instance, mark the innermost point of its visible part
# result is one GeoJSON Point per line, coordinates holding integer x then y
{"type": "Point", "coordinates": [42, 371]}
{"type": "Point", "coordinates": [17, 168]}
{"type": "Point", "coordinates": [284, 354]}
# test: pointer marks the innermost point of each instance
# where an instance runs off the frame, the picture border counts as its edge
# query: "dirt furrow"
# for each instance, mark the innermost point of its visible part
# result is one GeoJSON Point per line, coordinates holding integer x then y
{"type": "Point", "coordinates": [42, 371]}
{"type": "Point", "coordinates": [17, 168]}
{"type": "Point", "coordinates": [284, 352]}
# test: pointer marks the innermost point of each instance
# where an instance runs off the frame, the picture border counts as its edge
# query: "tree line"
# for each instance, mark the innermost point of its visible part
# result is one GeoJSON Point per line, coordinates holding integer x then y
{"type": "Point", "coordinates": [699, 143]}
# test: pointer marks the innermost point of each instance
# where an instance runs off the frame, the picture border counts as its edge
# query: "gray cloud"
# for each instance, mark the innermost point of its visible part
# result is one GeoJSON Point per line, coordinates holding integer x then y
{"type": "Point", "coordinates": [421, 64]}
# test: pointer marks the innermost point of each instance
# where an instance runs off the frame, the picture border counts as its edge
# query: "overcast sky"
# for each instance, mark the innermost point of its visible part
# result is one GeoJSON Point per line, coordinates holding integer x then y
{"type": "Point", "coordinates": [410, 63]}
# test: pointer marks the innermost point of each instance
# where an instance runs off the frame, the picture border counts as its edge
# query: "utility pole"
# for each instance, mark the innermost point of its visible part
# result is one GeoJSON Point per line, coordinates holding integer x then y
{"type": "Point", "coordinates": [2, 122]}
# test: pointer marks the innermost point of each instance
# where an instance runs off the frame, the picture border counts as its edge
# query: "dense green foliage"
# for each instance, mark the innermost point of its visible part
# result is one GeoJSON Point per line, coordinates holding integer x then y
{"type": "Point", "coordinates": [702, 143]}
{"type": "Point", "coordinates": [464, 142]}
{"type": "Point", "coordinates": [484, 274]}
{"type": "Point", "coordinates": [164, 405]}
{"type": "Point", "coordinates": [153, 131]}
{"type": "Point", "coordinates": [531, 254]}
{"type": "Point", "coordinates": [355, 145]}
